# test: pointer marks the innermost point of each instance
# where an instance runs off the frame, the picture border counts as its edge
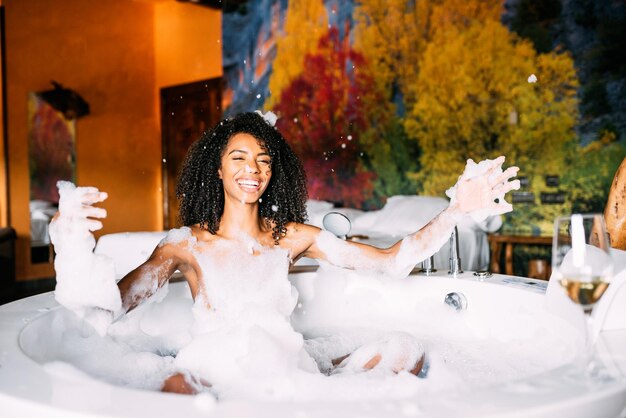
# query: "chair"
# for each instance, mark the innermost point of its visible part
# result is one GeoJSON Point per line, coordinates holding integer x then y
{"type": "Point", "coordinates": [615, 210]}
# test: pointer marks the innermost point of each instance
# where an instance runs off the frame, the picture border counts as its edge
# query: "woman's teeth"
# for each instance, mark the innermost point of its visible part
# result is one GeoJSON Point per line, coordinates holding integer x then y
{"type": "Point", "coordinates": [248, 183]}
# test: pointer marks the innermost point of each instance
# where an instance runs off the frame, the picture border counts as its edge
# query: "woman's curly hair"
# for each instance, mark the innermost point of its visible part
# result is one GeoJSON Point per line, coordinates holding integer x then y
{"type": "Point", "coordinates": [200, 191]}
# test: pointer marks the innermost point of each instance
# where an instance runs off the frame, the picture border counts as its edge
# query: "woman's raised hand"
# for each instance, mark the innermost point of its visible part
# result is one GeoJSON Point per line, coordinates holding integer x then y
{"type": "Point", "coordinates": [481, 188]}
{"type": "Point", "coordinates": [76, 202]}
{"type": "Point", "coordinates": [76, 218]}
{"type": "Point", "coordinates": [85, 281]}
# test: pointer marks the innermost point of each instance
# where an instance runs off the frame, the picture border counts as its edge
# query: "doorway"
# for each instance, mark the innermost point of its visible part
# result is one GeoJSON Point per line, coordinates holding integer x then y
{"type": "Point", "coordinates": [186, 111]}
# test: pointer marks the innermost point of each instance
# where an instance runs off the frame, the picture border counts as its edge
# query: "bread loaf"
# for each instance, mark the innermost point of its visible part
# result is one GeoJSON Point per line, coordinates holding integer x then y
{"type": "Point", "coordinates": [615, 210]}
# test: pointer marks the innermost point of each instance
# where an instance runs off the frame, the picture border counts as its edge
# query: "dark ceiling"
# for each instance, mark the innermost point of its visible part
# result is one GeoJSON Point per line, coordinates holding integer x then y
{"type": "Point", "coordinates": [217, 4]}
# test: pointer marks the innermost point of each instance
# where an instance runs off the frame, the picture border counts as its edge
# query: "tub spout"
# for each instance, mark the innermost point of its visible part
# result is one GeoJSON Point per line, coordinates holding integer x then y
{"type": "Point", "coordinates": [456, 301]}
{"type": "Point", "coordinates": [455, 261]}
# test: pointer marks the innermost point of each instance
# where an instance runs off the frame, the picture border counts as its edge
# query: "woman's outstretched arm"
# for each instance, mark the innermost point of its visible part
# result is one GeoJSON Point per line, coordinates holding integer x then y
{"type": "Point", "coordinates": [479, 192]}
{"type": "Point", "coordinates": [86, 282]}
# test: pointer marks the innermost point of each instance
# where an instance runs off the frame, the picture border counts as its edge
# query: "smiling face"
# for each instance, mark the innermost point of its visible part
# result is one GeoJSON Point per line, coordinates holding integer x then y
{"type": "Point", "coordinates": [245, 169]}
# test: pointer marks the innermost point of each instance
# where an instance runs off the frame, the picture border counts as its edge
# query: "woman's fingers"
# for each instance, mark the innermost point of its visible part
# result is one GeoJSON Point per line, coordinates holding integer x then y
{"type": "Point", "coordinates": [93, 212]}
{"type": "Point", "coordinates": [506, 187]}
{"type": "Point", "coordinates": [77, 202]}
{"type": "Point", "coordinates": [90, 224]}
{"type": "Point", "coordinates": [495, 165]}
{"type": "Point", "coordinates": [500, 160]}
{"type": "Point", "coordinates": [90, 195]}
{"type": "Point", "coordinates": [506, 175]}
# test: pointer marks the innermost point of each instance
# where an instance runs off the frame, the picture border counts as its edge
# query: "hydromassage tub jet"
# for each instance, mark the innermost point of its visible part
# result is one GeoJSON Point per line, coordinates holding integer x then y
{"type": "Point", "coordinates": [510, 351]}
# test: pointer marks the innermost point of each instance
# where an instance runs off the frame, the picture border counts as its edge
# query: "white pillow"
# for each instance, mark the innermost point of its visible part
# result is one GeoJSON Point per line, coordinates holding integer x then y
{"type": "Point", "coordinates": [403, 215]}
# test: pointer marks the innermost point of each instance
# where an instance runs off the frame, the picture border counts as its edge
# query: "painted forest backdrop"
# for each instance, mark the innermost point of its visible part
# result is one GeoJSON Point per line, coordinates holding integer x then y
{"type": "Point", "coordinates": [388, 97]}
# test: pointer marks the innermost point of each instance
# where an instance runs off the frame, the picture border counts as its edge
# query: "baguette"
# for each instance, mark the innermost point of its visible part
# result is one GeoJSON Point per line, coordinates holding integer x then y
{"type": "Point", "coordinates": [615, 210]}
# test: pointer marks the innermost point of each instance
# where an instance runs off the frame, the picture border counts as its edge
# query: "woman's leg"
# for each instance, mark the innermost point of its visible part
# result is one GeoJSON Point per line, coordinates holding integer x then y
{"type": "Point", "coordinates": [396, 352]}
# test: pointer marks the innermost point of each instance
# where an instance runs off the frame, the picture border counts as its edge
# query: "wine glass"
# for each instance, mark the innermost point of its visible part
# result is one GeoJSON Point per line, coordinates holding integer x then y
{"type": "Point", "coordinates": [582, 264]}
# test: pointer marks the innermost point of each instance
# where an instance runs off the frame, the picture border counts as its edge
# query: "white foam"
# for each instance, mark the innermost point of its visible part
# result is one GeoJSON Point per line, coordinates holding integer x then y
{"type": "Point", "coordinates": [179, 235]}
{"type": "Point", "coordinates": [473, 170]}
{"type": "Point", "coordinates": [238, 335]}
{"type": "Point", "coordinates": [262, 357]}
{"type": "Point", "coordinates": [413, 249]}
{"type": "Point", "coordinates": [85, 281]}
{"type": "Point", "coordinates": [494, 341]}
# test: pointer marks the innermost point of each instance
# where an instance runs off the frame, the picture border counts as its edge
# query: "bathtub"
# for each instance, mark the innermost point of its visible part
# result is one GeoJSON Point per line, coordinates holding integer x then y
{"type": "Point", "coordinates": [537, 348]}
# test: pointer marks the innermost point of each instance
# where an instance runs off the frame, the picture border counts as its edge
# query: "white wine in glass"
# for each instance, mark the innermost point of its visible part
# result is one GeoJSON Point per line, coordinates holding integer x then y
{"type": "Point", "coordinates": [581, 262]}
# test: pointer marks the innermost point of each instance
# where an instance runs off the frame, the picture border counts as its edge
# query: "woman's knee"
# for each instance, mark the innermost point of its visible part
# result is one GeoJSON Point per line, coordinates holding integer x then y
{"type": "Point", "coordinates": [180, 383]}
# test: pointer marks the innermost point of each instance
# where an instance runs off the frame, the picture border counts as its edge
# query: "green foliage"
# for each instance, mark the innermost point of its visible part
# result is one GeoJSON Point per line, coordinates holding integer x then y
{"type": "Point", "coordinates": [535, 218]}
{"type": "Point", "coordinates": [590, 172]}
{"type": "Point", "coordinates": [586, 179]}
{"type": "Point", "coordinates": [393, 157]}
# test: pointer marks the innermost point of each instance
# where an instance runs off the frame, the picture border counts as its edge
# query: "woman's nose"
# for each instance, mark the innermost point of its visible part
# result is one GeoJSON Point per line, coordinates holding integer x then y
{"type": "Point", "coordinates": [251, 168]}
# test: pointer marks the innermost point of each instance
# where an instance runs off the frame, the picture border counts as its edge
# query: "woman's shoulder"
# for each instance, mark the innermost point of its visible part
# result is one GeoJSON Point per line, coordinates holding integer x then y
{"type": "Point", "coordinates": [300, 230]}
{"type": "Point", "coordinates": [186, 237]}
{"type": "Point", "coordinates": [177, 235]}
{"type": "Point", "coordinates": [185, 242]}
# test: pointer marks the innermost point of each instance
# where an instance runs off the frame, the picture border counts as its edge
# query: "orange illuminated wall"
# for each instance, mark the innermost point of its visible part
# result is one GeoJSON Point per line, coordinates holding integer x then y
{"type": "Point", "coordinates": [113, 54]}
{"type": "Point", "coordinates": [191, 54]}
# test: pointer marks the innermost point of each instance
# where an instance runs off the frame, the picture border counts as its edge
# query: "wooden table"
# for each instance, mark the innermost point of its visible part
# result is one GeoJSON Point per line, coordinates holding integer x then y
{"type": "Point", "coordinates": [496, 241]}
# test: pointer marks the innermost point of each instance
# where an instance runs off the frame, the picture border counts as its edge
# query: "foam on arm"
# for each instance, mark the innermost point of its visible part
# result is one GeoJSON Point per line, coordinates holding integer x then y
{"type": "Point", "coordinates": [144, 281]}
{"type": "Point", "coordinates": [86, 281]}
{"type": "Point", "coordinates": [396, 261]}
{"type": "Point", "coordinates": [479, 193]}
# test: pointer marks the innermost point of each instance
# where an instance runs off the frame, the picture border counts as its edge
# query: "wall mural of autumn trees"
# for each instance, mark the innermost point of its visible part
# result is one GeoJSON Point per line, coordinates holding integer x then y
{"type": "Point", "coordinates": [388, 97]}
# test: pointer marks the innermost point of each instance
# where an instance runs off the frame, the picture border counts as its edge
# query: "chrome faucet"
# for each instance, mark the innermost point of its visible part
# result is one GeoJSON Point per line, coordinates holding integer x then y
{"type": "Point", "coordinates": [455, 261]}
{"type": "Point", "coordinates": [428, 266]}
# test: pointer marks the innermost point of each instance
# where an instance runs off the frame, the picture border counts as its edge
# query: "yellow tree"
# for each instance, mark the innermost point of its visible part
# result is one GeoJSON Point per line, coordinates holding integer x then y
{"type": "Point", "coordinates": [392, 34]}
{"type": "Point", "coordinates": [474, 101]}
{"type": "Point", "coordinates": [460, 14]}
{"type": "Point", "coordinates": [306, 22]}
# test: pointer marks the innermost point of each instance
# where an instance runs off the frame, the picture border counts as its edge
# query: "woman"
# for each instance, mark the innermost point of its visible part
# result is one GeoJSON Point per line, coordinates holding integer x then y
{"type": "Point", "coordinates": [242, 196]}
